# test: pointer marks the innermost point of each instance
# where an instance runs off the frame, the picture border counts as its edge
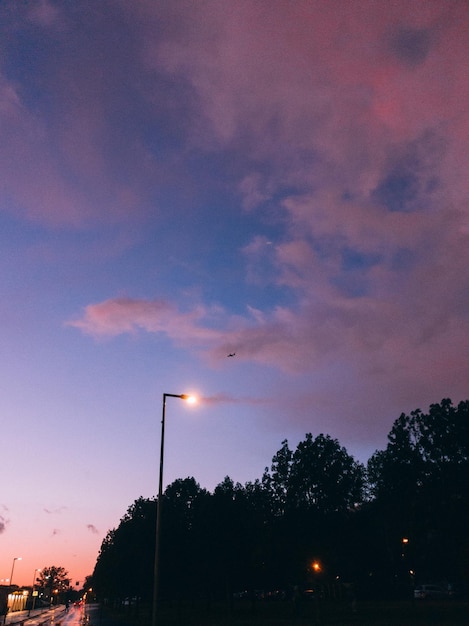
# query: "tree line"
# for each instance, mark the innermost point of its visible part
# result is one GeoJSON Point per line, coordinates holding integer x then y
{"type": "Point", "coordinates": [317, 517]}
{"type": "Point", "coordinates": [51, 586]}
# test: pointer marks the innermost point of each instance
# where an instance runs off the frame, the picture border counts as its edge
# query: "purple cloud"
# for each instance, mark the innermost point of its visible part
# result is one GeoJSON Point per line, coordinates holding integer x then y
{"type": "Point", "coordinates": [56, 511]}
{"type": "Point", "coordinates": [3, 524]}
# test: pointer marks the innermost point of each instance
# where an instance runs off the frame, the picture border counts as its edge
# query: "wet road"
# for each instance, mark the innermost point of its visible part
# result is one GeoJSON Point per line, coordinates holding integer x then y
{"type": "Point", "coordinates": [75, 616]}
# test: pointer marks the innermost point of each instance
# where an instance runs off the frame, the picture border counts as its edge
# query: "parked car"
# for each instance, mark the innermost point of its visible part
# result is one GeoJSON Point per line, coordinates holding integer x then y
{"type": "Point", "coordinates": [430, 592]}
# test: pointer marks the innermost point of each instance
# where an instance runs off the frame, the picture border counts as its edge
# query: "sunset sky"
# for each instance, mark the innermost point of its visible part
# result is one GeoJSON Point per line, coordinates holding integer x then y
{"type": "Point", "coordinates": [181, 180]}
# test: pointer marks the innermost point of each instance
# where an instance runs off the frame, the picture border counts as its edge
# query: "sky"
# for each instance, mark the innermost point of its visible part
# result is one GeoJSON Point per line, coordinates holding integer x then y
{"type": "Point", "coordinates": [179, 181]}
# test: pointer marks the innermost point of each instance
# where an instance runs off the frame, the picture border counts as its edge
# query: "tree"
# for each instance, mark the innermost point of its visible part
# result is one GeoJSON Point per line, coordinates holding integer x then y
{"type": "Point", "coordinates": [182, 547]}
{"type": "Point", "coordinates": [313, 492]}
{"type": "Point", "coordinates": [323, 475]}
{"type": "Point", "coordinates": [420, 486]}
{"type": "Point", "coordinates": [310, 504]}
{"type": "Point", "coordinates": [124, 567]}
{"type": "Point", "coordinates": [277, 481]}
{"type": "Point", "coordinates": [53, 581]}
{"type": "Point", "coordinates": [320, 474]}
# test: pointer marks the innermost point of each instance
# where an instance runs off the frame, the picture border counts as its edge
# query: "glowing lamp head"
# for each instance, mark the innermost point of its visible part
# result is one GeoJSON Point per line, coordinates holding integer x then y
{"type": "Point", "coordinates": [188, 398]}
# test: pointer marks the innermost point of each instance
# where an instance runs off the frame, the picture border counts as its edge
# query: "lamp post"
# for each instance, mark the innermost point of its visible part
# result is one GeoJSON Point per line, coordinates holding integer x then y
{"type": "Point", "coordinates": [33, 597]}
{"type": "Point", "coordinates": [156, 574]}
{"type": "Point", "coordinates": [17, 558]}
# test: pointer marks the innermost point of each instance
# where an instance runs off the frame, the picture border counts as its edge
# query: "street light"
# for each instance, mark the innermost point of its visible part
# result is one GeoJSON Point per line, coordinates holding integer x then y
{"type": "Point", "coordinates": [33, 597]}
{"type": "Point", "coordinates": [405, 543]}
{"type": "Point", "coordinates": [156, 574]}
{"type": "Point", "coordinates": [17, 558]}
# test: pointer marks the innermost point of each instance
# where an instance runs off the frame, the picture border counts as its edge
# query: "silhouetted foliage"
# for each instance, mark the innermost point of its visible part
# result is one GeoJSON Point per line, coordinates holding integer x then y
{"type": "Point", "coordinates": [52, 581]}
{"type": "Point", "coordinates": [125, 561]}
{"type": "Point", "coordinates": [420, 484]}
{"type": "Point", "coordinates": [314, 504]}
{"type": "Point", "coordinates": [181, 549]}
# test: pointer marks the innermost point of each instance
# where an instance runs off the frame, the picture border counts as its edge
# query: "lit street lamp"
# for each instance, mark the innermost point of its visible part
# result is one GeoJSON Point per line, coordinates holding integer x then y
{"type": "Point", "coordinates": [404, 544]}
{"type": "Point", "coordinates": [156, 574]}
{"type": "Point", "coordinates": [17, 558]}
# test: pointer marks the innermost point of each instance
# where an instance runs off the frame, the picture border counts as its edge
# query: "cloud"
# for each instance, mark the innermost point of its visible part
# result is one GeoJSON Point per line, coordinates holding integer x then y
{"type": "Point", "coordinates": [409, 305]}
{"type": "Point", "coordinates": [342, 127]}
{"type": "Point", "coordinates": [56, 511]}
{"type": "Point", "coordinates": [349, 124]}
{"type": "Point", "coordinates": [127, 315]}
{"type": "Point", "coordinates": [92, 528]}
{"type": "Point", "coordinates": [58, 149]}
{"type": "Point", "coordinates": [302, 96]}
{"type": "Point", "coordinates": [3, 524]}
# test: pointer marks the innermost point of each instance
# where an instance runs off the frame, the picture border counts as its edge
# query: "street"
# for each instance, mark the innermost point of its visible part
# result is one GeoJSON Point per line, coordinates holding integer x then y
{"type": "Point", "coordinates": [58, 616]}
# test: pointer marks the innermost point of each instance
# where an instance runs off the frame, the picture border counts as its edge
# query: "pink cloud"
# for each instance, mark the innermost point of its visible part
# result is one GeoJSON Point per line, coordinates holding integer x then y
{"type": "Point", "coordinates": [382, 330]}
{"type": "Point", "coordinates": [126, 315]}
{"type": "Point", "coordinates": [297, 60]}
{"type": "Point", "coordinates": [322, 94]}
{"type": "Point", "coordinates": [342, 86]}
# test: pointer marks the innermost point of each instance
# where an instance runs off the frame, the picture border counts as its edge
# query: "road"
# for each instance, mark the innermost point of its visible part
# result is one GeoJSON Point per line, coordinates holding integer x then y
{"type": "Point", "coordinates": [76, 616]}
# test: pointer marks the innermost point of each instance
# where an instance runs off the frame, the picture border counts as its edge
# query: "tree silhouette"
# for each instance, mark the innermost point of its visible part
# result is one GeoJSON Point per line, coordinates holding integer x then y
{"type": "Point", "coordinates": [420, 485]}
{"type": "Point", "coordinates": [125, 561]}
{"type": "Point", "coordinates": [408, 511]}
{"type": "Point", "coordinates": [53, 581]}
